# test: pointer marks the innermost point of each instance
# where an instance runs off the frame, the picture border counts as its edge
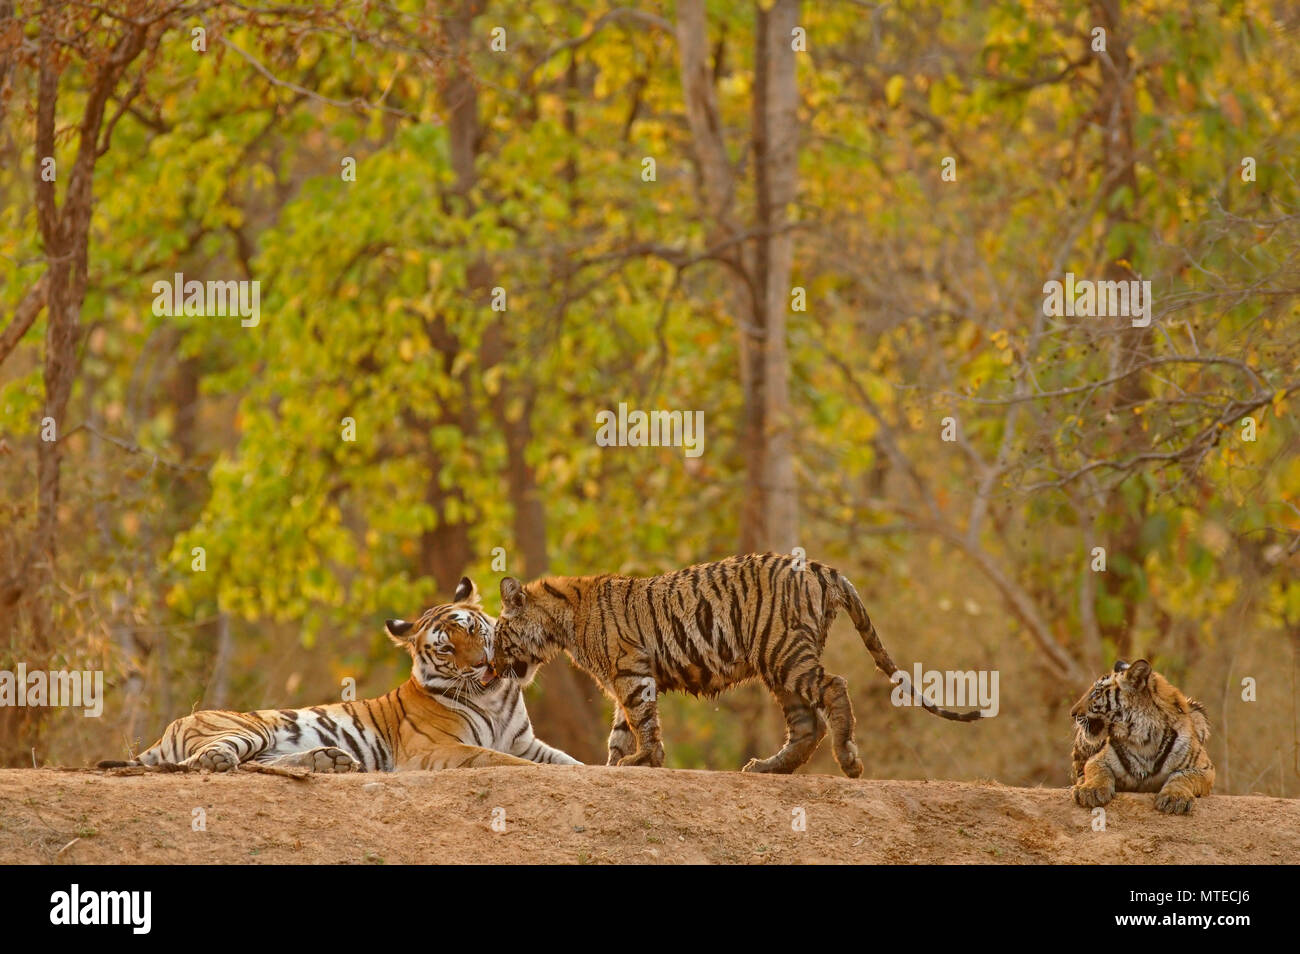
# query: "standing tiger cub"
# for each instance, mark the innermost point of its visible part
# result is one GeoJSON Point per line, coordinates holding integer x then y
{"type": "Point", "coordinates": [701, 630]}
{"type": "Point", "coordinates": [1136, 732]}
{"type": "Point", "coordinates": [453, 712]}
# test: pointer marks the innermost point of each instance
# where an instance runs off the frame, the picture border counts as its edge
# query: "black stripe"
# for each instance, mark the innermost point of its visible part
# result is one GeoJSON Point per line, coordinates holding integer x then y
{"type": "Point", "coordinates": [630, 617]}
{"type": "Point", "coordinates": [737, 626]}
{"type": "Point", "coordinates": [379, 761]}
{"type": "Point", "coordinates": [324, 720]}
{"type": "Point", "coordinates": [1123, 759]}
{"type": "Point", "coordinates": [704, 619]}
{"type": "Point", "coordinates": [693, 653]}
{"type": "Point", "coordinates": [605, 620]}
{"type": "Point", "coordinates": [350, 743]}
{"type": "Point", "coordinates": [472, 725]}
{"type": "Point", "coordinates": [1165, 749]}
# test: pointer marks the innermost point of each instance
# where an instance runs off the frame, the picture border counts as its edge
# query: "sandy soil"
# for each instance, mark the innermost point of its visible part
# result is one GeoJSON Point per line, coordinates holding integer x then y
{"type": "Point", "coordinates": [588, 814]}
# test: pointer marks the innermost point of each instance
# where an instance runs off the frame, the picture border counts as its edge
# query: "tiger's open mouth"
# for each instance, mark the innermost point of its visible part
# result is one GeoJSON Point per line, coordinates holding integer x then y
{"type": "Point", "coordinates": [1095, 726]}
{"type": "Point", "coordinates": [489, 676]}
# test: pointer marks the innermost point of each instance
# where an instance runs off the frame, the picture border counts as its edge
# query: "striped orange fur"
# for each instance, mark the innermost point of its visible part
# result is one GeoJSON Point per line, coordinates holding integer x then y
{"type": "Point", "coordinates": [452, 712]}
{"type": "Point", "coordinates": [1136, 732]}
{"type": "Point", "coordinates": [700, 630]}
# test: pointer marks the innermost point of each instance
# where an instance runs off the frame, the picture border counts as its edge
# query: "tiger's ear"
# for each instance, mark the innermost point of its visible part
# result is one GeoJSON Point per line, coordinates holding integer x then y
{"type": "Point", "coordinates": [1139, 672]}
{"type": "Point", "coordinates": [399, 630]}
{"type": "Point", "coordinates": [466, 592]}
{"type": "Point", "coordinates": [512, 594]}
{"type": "Point", "coordinates": [1120, 665]}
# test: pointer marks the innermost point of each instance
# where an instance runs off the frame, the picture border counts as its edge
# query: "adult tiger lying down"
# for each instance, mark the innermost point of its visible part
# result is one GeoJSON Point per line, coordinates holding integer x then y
{"type": "Point", "coordinates": [453, 712]}
{"type": "Point", "coordinates": [701, 630]}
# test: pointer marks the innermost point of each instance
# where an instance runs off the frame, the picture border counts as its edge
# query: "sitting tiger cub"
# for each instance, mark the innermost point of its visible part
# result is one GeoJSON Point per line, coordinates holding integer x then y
{"type": "Point", "coordinates": [1136, 732]}
{"type": "Point", "coordinates": [453, 712]}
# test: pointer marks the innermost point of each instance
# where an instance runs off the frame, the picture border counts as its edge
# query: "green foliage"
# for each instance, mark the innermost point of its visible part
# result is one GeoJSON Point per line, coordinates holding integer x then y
{"type": "Point", "coordinates": [924, 302]}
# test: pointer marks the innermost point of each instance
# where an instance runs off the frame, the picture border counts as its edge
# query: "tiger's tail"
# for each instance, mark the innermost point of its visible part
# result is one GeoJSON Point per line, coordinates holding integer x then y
{"type": "Point", "coordinates": [150, 756]}
{"type": "Point", "coordinates": [858, 613]}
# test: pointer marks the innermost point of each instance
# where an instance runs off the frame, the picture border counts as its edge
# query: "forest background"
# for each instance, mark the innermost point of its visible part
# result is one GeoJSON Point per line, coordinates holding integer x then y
{"type": "Point", "coordinates": [826, 226]}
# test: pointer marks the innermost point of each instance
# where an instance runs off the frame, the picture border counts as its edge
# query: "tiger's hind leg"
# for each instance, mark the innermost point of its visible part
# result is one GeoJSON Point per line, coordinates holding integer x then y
{"type": "Point", "coordinates": [218, 757]}
{"type": "Point", "coordinates": [828, 698]}
{"type": "Point", "coordinates": [804, 730]}
{"type": "Point", "coordinates": [839, 713]}
{"type": "Point", "coordinates": [327, 758]}
{"type": "Point", "coordinates": [230, 739]}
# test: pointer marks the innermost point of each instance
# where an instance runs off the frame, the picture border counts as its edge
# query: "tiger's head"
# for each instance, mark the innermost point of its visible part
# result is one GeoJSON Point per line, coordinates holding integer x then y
{"type": "Point", "coordinates": [1126, 688]}
{"type": "Point", "coordinates": [450, 645]}
{"type": "Point", "coordinates": [526, 633]}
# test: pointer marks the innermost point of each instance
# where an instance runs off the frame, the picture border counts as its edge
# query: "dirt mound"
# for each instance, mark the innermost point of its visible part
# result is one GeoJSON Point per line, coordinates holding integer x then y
{"type": "Point", "coordinates": [588, 814]}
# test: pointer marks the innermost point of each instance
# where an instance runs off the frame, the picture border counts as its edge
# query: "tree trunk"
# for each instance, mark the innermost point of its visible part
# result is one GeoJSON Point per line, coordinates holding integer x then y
{"type": "Point", "coordinates": [65, 241]}
{"type": "Point", "coordinates": [218, 694]}
{"type": "Point", "coordinates": [760, 266]}
{"type": "Point", "coordinates": [775, 137]}
{"type": "Point", "coordinates": [566, 712]}
{"type": "Point", "coordinates": [445, 549]}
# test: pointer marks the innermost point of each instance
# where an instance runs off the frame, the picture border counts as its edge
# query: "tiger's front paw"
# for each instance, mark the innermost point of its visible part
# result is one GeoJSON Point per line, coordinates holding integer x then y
{"type": "Point", "coordinates": [330, 759]}
{"type": "Point", "coordinates": [1174, 803]}
{"type": "Point", "coordinates": [1091, 796]}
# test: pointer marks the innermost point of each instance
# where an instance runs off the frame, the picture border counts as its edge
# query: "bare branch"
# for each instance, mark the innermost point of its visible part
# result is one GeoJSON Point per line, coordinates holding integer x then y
{"type": "Point", "coordinates": [24, 316]}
